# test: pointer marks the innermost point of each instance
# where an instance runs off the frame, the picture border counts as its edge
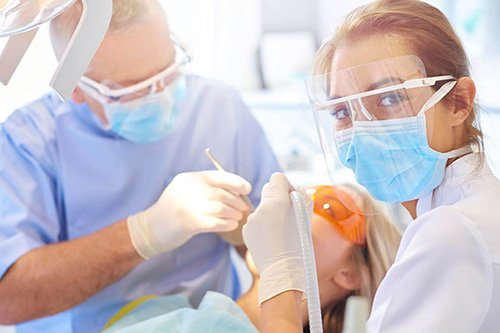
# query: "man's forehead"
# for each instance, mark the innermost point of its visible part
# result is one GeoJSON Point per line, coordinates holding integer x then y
{"type": "Point", "coordinates": [133, 55]}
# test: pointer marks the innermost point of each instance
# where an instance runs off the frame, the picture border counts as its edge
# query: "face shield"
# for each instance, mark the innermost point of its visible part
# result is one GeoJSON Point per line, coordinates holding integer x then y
{"type": "Point", "coordinates": [374, 120]}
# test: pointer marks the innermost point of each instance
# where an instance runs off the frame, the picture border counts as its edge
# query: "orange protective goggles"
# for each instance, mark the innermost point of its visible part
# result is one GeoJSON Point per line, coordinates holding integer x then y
{"type": "Point", "coordinates": [328, 203]}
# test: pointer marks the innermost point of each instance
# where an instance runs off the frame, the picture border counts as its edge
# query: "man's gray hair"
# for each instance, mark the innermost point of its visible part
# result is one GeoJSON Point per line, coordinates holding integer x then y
{"type": "Point", "coordinates": [126, 13]}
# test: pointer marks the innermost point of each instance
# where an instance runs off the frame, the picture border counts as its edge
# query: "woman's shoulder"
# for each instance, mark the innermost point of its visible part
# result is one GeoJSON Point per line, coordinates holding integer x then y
{"type": "Point", "coordinates": [441, 255]}
{"type": "Point", "coordinates": [448, 232]}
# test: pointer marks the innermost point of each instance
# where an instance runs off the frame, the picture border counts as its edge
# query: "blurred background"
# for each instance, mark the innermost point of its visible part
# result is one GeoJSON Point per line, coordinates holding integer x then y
{"type": "Point", "coordinates": [265, 49]}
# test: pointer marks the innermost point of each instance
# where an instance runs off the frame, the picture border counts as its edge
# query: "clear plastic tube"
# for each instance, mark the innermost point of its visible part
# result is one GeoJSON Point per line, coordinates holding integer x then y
{"type": "Point", "coordinates": [313, 301]}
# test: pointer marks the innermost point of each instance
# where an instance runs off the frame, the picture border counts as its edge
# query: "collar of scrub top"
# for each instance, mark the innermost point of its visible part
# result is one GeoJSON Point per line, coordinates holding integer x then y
{"type": "Point", "coordinates": [408, 84]}
{"type": "Point", "coordinates": [115, 94]}
{"type": "Point", "coordinates": [328, 205]}
{"type": "Point", "coordinates": [88, 35]}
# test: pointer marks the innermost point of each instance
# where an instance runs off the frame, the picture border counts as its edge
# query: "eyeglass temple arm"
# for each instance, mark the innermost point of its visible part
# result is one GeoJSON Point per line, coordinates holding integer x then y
{"type": "Point", "coordinates": [89, 33]}
{"type": "Point", "coordinates": [13, 52]}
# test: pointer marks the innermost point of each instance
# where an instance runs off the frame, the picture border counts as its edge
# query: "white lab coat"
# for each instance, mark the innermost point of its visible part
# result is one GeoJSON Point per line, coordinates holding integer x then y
{"type": "Point", "coordinates": [446, 277]}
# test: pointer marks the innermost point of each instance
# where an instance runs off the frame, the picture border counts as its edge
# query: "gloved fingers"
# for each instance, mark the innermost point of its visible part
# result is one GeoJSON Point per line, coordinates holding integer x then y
{"type": "Point", "coordinates": [222, 211]}
{"type": "Point", "coordinates": [278, 186]}
{"type": "Point", "coordinates": [227, 181]}
{"type": "Point", "coordinates": [255, 225]}
{"type": "Point", "coordinates": [214, 224]}
{"type": "Point", "coordinates": [228, 198]}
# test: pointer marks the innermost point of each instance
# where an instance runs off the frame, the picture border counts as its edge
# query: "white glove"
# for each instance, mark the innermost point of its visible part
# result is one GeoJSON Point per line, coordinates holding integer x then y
{"type": "Point", "coordinates": [193, 203]}
{"type": "Point", "coordinates": [272, 237]}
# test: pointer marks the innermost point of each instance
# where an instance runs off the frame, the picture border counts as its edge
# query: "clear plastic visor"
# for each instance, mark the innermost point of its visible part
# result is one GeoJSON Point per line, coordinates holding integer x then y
{"type": "Point", "coordinates": [366, 100]}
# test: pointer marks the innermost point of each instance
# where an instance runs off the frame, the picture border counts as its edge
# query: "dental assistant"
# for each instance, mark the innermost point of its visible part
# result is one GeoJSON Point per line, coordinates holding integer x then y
{"type": "Point", "coordinates": [394, 96]}
{"type": "Point", "coordinates": [104, 199]}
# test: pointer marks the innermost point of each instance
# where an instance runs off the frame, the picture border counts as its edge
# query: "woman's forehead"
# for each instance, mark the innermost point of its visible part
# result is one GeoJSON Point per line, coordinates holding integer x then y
{"type": "Point", "coordinates": [375, 48]}
{"type": "Point", "coordinates": [377, 74]}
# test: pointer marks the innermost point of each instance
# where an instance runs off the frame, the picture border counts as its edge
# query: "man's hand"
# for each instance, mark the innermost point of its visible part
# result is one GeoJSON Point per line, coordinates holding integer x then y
{"type": "Point", "coordinates": [235, 237]}
{"type": "Point", "coordinates": [193, 203]}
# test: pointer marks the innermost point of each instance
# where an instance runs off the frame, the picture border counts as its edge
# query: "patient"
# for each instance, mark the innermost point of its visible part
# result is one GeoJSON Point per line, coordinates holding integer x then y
{"type": "Point", "coordinates": [353, 253]}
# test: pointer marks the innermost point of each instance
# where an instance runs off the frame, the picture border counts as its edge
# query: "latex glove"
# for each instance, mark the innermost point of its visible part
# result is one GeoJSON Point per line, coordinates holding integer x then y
{"type": "Point", "coordinates": [193, 203]}
{"type": "Point", "coordinates": [235, 237]}
{"type": "Point", "coordinates": [272, 237]}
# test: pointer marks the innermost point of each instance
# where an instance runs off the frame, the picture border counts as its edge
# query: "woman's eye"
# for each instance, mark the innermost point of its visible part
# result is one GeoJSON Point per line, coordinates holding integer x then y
{"type": "Point", "coordinates": [340, 113]}
{"type": "Point", "coordinates": [392, 99]}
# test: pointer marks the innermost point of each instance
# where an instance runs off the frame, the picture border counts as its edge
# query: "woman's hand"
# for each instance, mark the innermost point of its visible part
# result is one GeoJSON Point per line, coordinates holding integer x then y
{"type": "Point", "coordinates": [272, 237]}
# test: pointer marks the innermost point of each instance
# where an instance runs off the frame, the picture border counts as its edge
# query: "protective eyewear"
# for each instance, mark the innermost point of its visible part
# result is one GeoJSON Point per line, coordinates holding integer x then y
{"type": "Point", "coordinates": [329, 204]}
{"type": "Point", "coordinates": [148, 87]}
{"type": "Point", "coordinates": [379, 100]}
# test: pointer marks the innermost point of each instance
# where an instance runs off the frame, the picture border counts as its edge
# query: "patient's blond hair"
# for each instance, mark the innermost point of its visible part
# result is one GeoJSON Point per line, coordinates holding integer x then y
{"type": "Point", "coordinates": [373, 262]}
{"type": "Point", "coordinates": [126, 13]}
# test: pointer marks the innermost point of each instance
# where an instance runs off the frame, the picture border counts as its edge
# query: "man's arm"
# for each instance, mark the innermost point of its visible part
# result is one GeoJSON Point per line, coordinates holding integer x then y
{"type": "Point", "coordinates": [57, 277]}
{"type": "Point", "coordinates": [54, 278]}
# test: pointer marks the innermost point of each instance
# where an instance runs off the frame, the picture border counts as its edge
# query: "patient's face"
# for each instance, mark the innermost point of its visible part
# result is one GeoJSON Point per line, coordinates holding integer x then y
{"type": "Point", "coordinates": [331, 249]}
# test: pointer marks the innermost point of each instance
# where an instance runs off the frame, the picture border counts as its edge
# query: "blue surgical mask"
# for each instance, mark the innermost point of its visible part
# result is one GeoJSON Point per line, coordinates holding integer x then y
{"type": "Point", "coordinates": [392, 158]}
{"type": "Point", "coordinates": [148, 119]}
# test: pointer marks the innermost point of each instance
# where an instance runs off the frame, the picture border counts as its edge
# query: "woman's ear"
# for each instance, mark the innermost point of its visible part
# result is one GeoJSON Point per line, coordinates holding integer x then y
{"type": "Point", "coordinates": [78, 96]}
{"type": "Point", "coordinates": [463, 96]}
{"type": "Point", "coordinates": [349, 278]}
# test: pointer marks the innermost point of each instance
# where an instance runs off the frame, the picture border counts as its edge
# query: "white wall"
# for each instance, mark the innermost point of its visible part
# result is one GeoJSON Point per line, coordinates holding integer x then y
{"type": "Point", "coordinates": [331, 13]}
{"type": "Point", "coordinates": [223, 36]}
{"type": "Point", "coordinates": [289, 15]}
{"type": "Point", "coordinates": [32, 78]}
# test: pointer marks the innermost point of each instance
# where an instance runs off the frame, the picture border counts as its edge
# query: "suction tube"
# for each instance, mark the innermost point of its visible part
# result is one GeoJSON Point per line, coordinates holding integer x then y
{"type": "Point", "coordinates": [312, 290]}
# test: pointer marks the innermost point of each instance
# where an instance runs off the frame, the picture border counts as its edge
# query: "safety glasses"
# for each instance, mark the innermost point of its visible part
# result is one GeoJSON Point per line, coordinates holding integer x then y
{"type": "Point", "coordinates": [329, 204]}
{"type": "Point", "coordinates": [387, 89]}
{"type": "Point", "coordinates": [145, 88]}
{"type": "Point", "coordinates": [374, 97]}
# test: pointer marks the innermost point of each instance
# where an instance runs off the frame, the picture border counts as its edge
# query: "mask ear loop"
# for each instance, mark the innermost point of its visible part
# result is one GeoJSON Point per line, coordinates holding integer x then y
{"type": "Point", "coordinates": [438, 96]}
{"type": "Point", "coordinates": [100, 99]}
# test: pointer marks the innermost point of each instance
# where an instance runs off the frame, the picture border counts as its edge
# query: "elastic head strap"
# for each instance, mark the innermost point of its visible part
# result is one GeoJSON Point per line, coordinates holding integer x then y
{"type": "Point", "coordinates": [438, 96]}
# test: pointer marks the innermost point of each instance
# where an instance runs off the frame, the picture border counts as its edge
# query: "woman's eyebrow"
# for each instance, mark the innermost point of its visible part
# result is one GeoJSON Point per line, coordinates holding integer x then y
{"type": "Point", "coordinates": [384, 82]}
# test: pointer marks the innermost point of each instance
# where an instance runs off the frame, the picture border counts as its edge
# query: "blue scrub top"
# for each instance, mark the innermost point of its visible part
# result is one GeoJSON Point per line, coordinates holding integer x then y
{"type": "Point", "coordinates": [62, 176]}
